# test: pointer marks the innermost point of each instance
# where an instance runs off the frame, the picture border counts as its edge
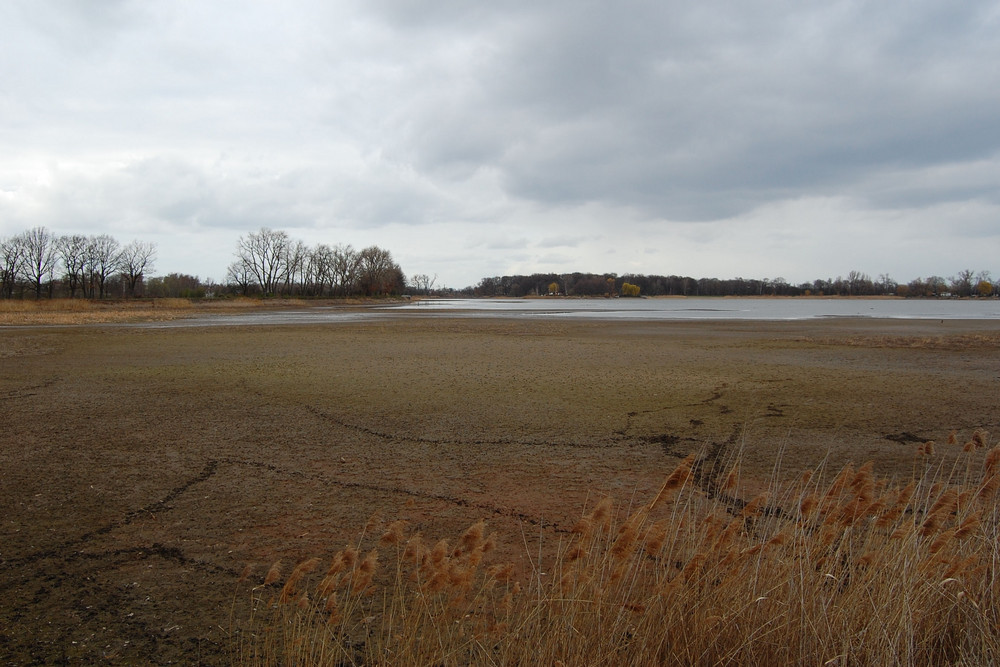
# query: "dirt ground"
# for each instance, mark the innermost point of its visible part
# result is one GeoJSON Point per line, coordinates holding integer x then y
{"type": "Point", "coordinates": [141, 469]}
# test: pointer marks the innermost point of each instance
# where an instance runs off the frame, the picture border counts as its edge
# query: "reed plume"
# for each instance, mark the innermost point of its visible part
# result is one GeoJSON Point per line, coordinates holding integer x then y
{"type": "Point", "coordinates": [855, 571]}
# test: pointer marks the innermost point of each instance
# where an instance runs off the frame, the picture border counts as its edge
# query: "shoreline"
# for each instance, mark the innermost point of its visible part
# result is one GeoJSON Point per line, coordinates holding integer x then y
{"type": "Point", "coordinates": [21, 313]}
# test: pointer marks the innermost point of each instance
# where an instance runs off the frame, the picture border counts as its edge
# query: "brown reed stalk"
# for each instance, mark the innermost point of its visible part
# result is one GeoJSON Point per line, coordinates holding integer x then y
{"type": "Point", "coordinates": [857, 571]}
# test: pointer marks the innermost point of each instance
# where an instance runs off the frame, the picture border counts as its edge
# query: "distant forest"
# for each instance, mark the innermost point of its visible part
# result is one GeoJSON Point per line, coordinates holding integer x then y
{"type": "Point", "coordinates": [966, 283]}
{"type": "Point", "coordinates": [36, 264]}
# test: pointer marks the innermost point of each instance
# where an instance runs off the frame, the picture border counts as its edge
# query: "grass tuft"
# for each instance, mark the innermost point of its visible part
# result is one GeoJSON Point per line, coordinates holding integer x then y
{"type": "Point", "coordinates": [844, 568]}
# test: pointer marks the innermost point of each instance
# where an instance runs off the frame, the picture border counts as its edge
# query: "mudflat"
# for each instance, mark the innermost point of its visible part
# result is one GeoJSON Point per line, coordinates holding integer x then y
{"type": "Point", "coordinates": [143, 469]}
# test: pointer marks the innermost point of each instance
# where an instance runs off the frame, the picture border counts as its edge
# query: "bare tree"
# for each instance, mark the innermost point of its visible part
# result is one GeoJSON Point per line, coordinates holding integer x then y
{"type": "Point", "coordinates": [321, 262]}
{"type": "Point", "coordinates": [296, 256]}
{"type": "Point", "coordinates": [423, 283]}
{"type": "Point", "coordinates": [858, 283]}
{"type": "Point", "coordinates": [239, 274]}
{"type": "Point", "coordinates": [962, 284]}
{"type": "Point", "coordinates": [38, 258]}
{"type": "Point", "coordinates": [377, 272]}
{"type": "Point", "coordinates": [346, 261]}
{"type": "Point", "coordinates": [264, 255]}
{"type": "Point", "coordinates": [886, 284]}
{"type": "Point", "coordinates": [101, 262]}
{"type": "Point", "coordinates": [11, 254]}
{"type": "Point", "coordinates": [72, 251]}
{"type": "Point", "coordinates": [134, 260]}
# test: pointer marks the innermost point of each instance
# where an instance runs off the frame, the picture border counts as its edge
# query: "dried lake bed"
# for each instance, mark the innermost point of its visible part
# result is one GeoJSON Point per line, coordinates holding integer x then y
{"type": "Point", "coordinates": [142, 468]}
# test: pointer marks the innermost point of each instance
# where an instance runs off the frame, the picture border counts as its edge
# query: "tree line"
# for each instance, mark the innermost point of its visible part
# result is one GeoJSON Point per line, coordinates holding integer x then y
{"type": "Point", "coordinates": [39, 263]}
{"type": "Point", "coordinates": [269, 263]}
{"type": "Point", "coordinates": [966, 283]}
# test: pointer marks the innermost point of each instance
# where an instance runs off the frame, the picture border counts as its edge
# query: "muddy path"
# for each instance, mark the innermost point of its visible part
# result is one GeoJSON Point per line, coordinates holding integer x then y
{"type": "Point", "coordinates": [142, 470]}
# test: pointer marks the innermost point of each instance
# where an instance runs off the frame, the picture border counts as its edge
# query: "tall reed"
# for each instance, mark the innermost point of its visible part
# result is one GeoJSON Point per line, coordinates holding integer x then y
{"type": "Point", "coordinates": [845, 568]}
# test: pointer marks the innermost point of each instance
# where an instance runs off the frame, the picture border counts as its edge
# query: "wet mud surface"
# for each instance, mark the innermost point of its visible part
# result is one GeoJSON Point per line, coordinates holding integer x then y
{"type": "Point", "coordinates": [142, 470]}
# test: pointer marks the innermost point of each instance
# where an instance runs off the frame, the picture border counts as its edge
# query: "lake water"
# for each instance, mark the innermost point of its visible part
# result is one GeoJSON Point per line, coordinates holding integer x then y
{"type": "Point", "coordinates": [705, 308]}
{"type": "Point", "coordinates": [692, 308]}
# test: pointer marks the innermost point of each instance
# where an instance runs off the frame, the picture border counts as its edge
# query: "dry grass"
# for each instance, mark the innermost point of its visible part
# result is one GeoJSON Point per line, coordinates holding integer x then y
{"type": "Point", "coordinates": [845, 568]}
{"type": "Point", "coordinates": [84, 311]}
{"type": "Point", "coordinates": [30, 312]}
{"type": "Point", "coordinates": [988, 340]}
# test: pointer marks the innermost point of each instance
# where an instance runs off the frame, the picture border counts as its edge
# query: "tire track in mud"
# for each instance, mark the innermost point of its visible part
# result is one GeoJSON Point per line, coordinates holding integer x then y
{"type": "Point", "coordinates": [706, 470]}
{"type": "Point", "coordinates": [58, 552]}
{"type": "Point", "coordinates": [619, 437]}
{"type": "Point", "coordinates": [397, 437]}
{"type": "Point", "coordinates": [43, 575]}
{"type": "Point", "coordinates": [399, 490]}
{"type": "Point", "coordinates": [96, 602]}
{"type": "Point", "coordinates": [69, 550]}
{"type": "Point", "coordinates": [669, 441]}
{"type": "Point", "coordinates": [28, 392]}
{"type": "Point", "coordinates": [156, 549]}
{"type": "Point", "coordinates": [388, 436]}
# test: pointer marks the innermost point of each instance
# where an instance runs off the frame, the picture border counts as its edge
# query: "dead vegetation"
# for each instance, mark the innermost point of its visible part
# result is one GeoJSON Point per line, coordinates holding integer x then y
{"type": "Point", "coordinates": [844, 568]}
{"type": "Point", "coordinates": [45, 312]}
{"type": "Point", "coordinates": [972, 341]}
{"type": "Point", "coordinates": [24, 312]}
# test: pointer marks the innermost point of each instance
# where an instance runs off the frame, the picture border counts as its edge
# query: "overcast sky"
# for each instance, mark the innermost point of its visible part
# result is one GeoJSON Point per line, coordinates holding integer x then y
{"type": "Point", "coordinates": [715, 139]}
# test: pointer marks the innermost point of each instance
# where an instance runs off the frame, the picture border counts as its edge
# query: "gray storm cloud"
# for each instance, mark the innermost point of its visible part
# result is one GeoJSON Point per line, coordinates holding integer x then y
{"type": "Point", "coordinates": [447, 129]}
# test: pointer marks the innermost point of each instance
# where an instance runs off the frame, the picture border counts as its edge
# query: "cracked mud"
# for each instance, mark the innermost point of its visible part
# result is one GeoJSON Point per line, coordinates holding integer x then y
{"type": "Point", "coordinates": [142, 470]}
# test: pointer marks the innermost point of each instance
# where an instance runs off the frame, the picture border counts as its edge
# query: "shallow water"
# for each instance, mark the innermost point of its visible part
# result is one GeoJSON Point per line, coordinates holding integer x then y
{"type": "Point", "coordinates": [706, 308]}
{"type": "Point", "coordinates": [692, 308]}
